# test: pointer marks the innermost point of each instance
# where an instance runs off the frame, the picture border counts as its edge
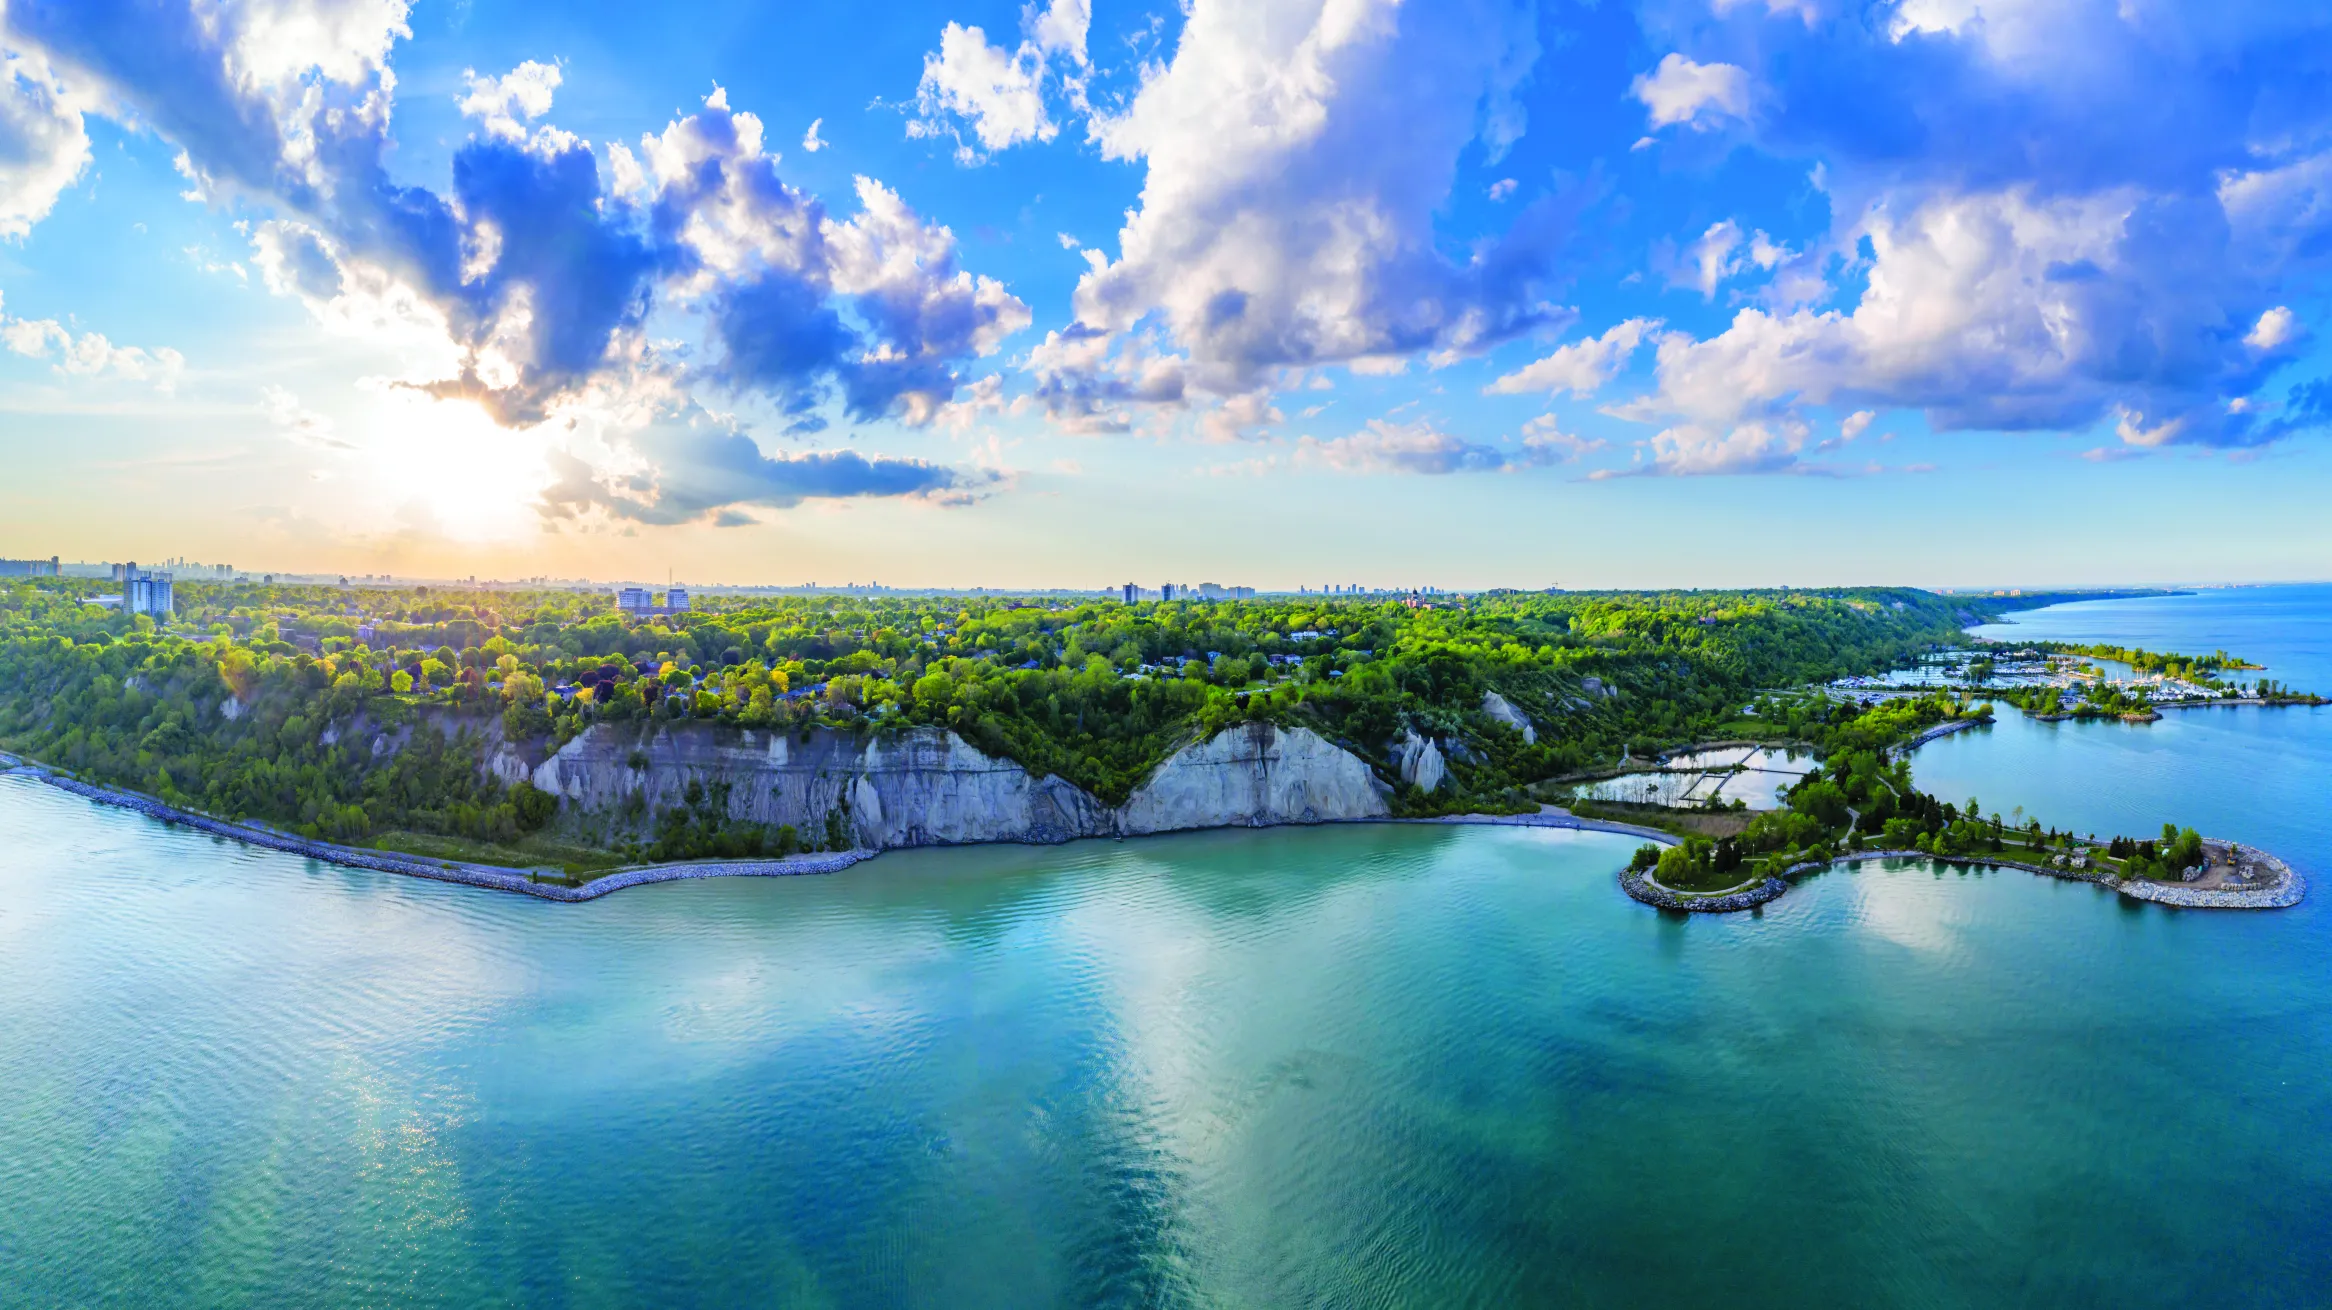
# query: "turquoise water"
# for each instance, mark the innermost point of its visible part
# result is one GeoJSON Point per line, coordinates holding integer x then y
{"type": "Point", "coordinates": [1353, 1066]}
{"type": "Point", "coordinates": [2286, 628]}
{"type": "Point", "coordinates": [1375, 1065]}
{"type": "Point", "coordinates": [2255, 775]}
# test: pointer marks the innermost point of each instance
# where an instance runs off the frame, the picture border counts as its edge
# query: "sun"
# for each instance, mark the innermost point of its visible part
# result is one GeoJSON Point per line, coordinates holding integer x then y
{"type": "Point", "coordinates": [444, 466]}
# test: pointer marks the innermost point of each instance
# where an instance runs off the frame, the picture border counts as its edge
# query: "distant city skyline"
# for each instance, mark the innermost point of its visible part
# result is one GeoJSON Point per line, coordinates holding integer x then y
{"type": "Point", "coordinates": [683, 585]}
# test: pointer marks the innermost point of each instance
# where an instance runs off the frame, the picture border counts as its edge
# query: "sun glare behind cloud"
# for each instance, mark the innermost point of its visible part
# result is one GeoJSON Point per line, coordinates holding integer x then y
{"type": "Point", "coordinates": [447, 468]}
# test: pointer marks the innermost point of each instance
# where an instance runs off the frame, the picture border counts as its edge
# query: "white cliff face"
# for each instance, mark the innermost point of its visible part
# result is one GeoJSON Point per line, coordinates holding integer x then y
{"type": "Point", "coordinates": [1502, 709]}
{"type": "Point", "coordinates": [924, 787]}
{"type": "Point", "coordinates": [932, 788]}
{"type": "Point", "coordinates": [928, 787]}
{"type": "Point", "coordinates": [1420, 761]}
{"type": "Point", "coordinates": [1254, 775]}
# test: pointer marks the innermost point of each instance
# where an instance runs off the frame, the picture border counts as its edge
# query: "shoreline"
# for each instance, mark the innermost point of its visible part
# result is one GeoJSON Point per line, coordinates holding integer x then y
{"type": "Point", "coordinates": [2153, 712]}
{"type": "Point", "coordinates": [489, 877]}
{"type": "Point", "coordinates": [494, 877]}
{"type": "Point", "coordinates": [1940, 730]}
{"type": "Point", "coordinates": [2288, 889]}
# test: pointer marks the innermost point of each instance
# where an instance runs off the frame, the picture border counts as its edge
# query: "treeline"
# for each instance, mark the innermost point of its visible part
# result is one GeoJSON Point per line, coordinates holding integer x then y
{"type": "Point", "coordinates": [350, 712]}
{"type": "Point", "coordinates": [2194, 668]}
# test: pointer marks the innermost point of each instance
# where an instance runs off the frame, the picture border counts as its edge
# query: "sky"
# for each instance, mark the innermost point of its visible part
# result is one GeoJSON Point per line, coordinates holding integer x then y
{"type": "Point", "coordinates": [1266, 292]}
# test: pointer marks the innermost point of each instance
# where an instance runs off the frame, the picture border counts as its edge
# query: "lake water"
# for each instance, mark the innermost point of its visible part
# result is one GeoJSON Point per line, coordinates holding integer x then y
{"type": "Point", "coordinates": [1370, 1065]}
{"type": "Point", "coordinates": [2254, 775]}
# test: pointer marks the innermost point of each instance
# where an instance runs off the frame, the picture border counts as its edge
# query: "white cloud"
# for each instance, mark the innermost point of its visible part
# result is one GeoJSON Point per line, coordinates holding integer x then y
{"type": "Point", "coordinates": [1502, 188]}
{"type": "Point", "coordinates": [1720, 254]}
{"type": "Point", "coordinates": [811, 141]}
{"type": "Point", "coordinates": [1681, 91]}
{"type": "Point", "coordinates": [1690, 450]}
{"type": "Point", "coordinates": [1415, 447]}
{"type": "Point", "coordinates": [1856, 423]}
{"type": "Point", "coordinates": [1419, 447]}
{"type": "Point", "coordinates": [685, 465]}
{"type": "Point", "coordinates": [279, 42]}
{"type": "Point", "coordinates": [1239, 418]}
{"type": "Point", "coordinates": [43, 144]}
{"type": "Point", "coordinates": [1297, 151]}
{"type": "Point", "coordinates": [1000, 94]}
{"type": "Point", "coordinates": [2278, 213]}
{"type": "Point", "coordinates": [1061, 28]}
{"type": "Point", "coordinates": [297, 421]}
{"type": "Point", "coordinates": [355, 298]}
{"type": "Point", "coordinates": [2077, 219]}
{"type": "Point", "coordinates": [1707, 260]}
{"type": "Point", "coordinates": [2131, 426]}
{"type": "Point", "coordinates": [1991, 311]}
{"type": "Point", "coordinates": [90, 354]}
{"type": "Point", "coordinates": [320, 68]}
{"type": "Point", "coordinates": [1089, 382]}
{"type": "Point", "coordinates": [1580, 368]}
{"type": "Point", "coordinates": [527, 289]}
{"type": "Point", "coordinates": [2277, 327]}
{"type": "Point", "coordinates": [1544, 442]}
{"type": "Point", "coordinates": [904, 276]}
{"type": "Point", "coordinates": [504, 105]}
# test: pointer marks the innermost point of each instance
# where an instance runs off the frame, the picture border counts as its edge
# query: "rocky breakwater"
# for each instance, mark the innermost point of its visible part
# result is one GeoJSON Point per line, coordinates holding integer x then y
{"type": "Point", "coordinates": [2279, 888]}
{"type": "Point", "coordinates": [1944, 729]}
{"type": "Point", "coordinates": [929, 787]}
{"type": "Point", "coordinates": [1639, 885]}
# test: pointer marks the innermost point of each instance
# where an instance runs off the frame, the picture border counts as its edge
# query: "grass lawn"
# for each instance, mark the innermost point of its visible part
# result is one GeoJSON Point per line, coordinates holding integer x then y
{"type": "Point", "coordinates": [528, 853]}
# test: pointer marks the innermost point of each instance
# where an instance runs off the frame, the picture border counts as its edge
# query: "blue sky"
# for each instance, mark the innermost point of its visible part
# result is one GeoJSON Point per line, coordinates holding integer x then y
{"type": "Point", "coordinates": [1276, 292]}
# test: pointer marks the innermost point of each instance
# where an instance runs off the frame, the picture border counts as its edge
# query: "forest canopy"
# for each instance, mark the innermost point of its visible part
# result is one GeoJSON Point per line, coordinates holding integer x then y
{"type": "Point", "coordinates": [344, 712]}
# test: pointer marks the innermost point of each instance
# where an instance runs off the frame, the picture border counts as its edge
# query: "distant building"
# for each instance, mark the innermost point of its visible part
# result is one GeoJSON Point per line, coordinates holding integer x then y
{"type": "Point", "coordinates": [1133, 593]}
{"type": "Point", "coordinates": [642, 603]}
{"type": "Point", "coordinates": [1165, 591]}
{"type": "Point", "coordinates": [31, 568]}
{"type": "Point", "coordinates": [147, 593]}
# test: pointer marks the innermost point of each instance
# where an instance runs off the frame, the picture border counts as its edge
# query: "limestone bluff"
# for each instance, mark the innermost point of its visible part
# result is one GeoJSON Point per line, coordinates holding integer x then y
{"type": "Point", "coordinates": [929, 787]}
